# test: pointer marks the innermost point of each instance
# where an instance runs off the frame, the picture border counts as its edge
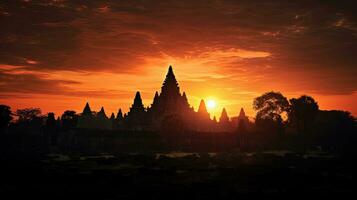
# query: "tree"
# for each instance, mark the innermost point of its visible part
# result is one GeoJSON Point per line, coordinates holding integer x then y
{"type": "Point", "coordinates": [5, 117]}
{"type": "Point", "coordinates": [337, 130]}
{"type": "Point", "coordinates": [28, 114]}
{"type": "Point", "coordinates": [51, 121]}
{"type": "Point", "coordinates": [50, 129]}
{"type": "Point", "coordinates": [270, 107]}
{"type": "Point", "coordinates": [303, 112]}
{"type": "Point", "coordinates": [30, 118]}
{"type": "Point", "coordinates": [69, 119]}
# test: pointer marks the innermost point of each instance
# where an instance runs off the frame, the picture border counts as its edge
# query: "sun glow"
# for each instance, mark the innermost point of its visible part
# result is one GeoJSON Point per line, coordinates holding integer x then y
{"type": "Point", "coordinates": [211, 104]}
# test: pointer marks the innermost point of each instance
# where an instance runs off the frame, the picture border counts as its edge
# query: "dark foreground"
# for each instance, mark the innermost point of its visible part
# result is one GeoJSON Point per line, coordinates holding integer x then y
{"type": "Point", "coordinates": [176, 175]}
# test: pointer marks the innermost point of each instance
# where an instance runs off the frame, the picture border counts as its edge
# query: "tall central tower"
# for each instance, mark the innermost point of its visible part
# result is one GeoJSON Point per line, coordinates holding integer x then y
{"type": "Point", "coordinates": [169, 101]}
{"type": "Point", "coordinates": [170, 88]}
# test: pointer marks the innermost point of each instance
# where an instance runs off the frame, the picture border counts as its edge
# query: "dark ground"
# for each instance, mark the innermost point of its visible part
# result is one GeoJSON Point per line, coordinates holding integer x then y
{"type": "Point", "coordinates": [176, 175]}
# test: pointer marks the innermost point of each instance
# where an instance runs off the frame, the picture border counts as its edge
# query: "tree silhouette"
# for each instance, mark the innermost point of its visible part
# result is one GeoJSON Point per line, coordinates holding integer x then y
{"type": "Point", "coordinates": [30, 118]}
{"type": "Point", "coordinates": [28, 114]}
{"type": "Point", "coordinates": [5, 117]}
{"type": "Point", "coordinates": [303, 112]}
{"type": "Point", "coordinates": [270, 106]}
{"type": "Point", "coordinates": [336, 129]}
{"type": "Point", "coordinates": [69, 119]}
{"type": "Point", "coordinates": [51, 121]}
{"type": "Point", "coordinates": [50, 128]}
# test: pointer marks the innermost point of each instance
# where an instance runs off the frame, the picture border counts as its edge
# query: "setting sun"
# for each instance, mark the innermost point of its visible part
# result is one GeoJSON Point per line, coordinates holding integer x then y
{"type": "Point", "coordinates": [211, 104]}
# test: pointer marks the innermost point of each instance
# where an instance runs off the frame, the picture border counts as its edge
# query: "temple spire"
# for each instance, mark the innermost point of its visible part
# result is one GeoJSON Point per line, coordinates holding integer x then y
{"type": "Point", "coordinates": [241, 113]}
{"type": "Point", "coordinates": [202, 110]}
{"type": "Point", "coordinates": [184, 96]}
{"type": "Point", "coordinates": [224, 116]}
{"type": "Point", "coordinates": [185, 103]}
{"type": "Point", "coordinates": [87, 110]}
{"type": "Point", "coordinates": [101, 113]}
{"type": "Point", "coordinates": [136, 115]}
{"type": "Point", "coordinates": [170, 85]}
{"type": "Point", "coordinates": [102, 110]}
{"type": "Point", "coordinates": [112, 117]}
{"type": "Point", "coordinates": [156, 98]}
{"type": "Point", "coordinates": [138, 104]}
{"type": "Point", "coordinates": [170, 70]}
{"type": "Point", "coordinates": [214, 119]}
{"type": "Point", "coordinates": [119, 115]}
{"type": "Point", "coordinates": [202, 107]}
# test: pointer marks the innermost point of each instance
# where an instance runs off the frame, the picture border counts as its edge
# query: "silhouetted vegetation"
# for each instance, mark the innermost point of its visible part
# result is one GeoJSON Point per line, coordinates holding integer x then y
{"type": "Point", "coordinates": [5, 118]}
{"type": "Point", "coordinates": [302, 113]}
{"type": "Point", "coordinates": [270, 107]}
{"type": "Point", "coordinates": [297, 124]}
{"type": "Point", "coordinates": [287, 142]}
{"type": "Point", "coordinates": [69, 119]}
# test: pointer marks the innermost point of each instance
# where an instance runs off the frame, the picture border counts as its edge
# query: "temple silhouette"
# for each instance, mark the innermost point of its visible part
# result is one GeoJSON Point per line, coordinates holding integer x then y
{"type": "Point", "coordinates": [169, 111]}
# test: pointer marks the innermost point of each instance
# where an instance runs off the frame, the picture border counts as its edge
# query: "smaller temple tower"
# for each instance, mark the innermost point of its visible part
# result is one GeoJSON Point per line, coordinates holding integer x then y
{"type": "Point", "coordinates": [136, 118]}
{"type": "Point", "coordinates": [224, 122]}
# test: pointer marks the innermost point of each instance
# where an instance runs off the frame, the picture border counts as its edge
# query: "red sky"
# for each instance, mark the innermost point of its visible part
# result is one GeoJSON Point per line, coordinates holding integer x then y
{"type": "Point", "coordinates": [57, 55]}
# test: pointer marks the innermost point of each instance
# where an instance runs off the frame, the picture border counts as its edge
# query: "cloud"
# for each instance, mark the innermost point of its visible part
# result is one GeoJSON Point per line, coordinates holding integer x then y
{"type": "Point", "coordinates": [16, 83]}
{"type": "Point", "coordinates": [301, 46]}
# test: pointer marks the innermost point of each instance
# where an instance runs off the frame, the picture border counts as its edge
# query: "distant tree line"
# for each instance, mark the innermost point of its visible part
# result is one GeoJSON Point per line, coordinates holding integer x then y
{"type": "Point", "coordinates": [276, 117]}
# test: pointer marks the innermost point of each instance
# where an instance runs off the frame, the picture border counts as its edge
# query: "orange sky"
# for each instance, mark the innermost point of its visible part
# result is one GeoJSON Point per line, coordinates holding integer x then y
{"type": "Point", "coordinates": [57, 55]}
{"type": "Point", "coordinates": [114, 91]}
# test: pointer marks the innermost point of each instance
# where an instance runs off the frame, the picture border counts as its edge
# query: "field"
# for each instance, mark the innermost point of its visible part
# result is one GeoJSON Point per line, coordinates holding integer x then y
{"type": "Point", "coordinates": [177, 175]}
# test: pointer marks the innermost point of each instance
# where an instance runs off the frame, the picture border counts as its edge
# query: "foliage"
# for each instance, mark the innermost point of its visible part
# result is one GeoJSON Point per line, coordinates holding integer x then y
{"type": "Point", "coordinates": [5, 116]}
{"type": "Point", "coordinates": [303, 112]}
{"type": "Point", "coordinates": [270, 107]}
{"type": "Point", "coordinates": [51, 121]}
{"type": "Point", "coordinates": [28, 114]}
{"type": "Point", "coordinates": [69, 119]}
{"type": "Point", "coordinates": [29, 119]}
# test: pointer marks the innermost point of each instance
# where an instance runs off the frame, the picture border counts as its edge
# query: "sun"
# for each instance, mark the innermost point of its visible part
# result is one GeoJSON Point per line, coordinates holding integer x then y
{"type": "Point", "coordinates": [211, 104]}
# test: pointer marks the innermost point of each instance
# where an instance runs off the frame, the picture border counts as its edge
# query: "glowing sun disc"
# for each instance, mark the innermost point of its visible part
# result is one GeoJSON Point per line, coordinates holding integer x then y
{"type": "Point", "coordinates": [211, 104]}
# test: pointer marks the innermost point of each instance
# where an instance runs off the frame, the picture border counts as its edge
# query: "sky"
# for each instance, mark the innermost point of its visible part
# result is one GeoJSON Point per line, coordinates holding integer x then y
{"type": "Point", "coordinates": [59, 54]}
